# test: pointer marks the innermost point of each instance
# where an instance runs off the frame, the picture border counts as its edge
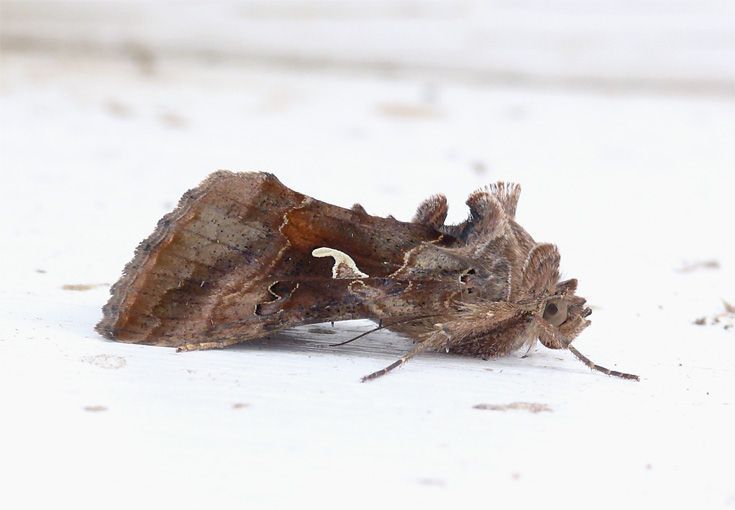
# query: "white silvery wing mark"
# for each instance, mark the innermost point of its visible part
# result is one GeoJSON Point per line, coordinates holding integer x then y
{"type": "Point", "coordinates": [344, 266]}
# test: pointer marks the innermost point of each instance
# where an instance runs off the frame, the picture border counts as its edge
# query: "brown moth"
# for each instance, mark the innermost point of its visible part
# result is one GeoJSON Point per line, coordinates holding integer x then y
{"type": "Point", "coordinates": [243, 256]}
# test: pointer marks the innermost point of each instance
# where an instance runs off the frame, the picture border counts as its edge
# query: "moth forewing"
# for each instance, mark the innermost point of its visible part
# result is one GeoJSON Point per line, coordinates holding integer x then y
{"type": "Point", "coordinates": [242, 256]}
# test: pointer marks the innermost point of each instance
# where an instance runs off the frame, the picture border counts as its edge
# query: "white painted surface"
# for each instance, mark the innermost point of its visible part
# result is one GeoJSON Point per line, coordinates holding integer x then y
{"type": "Point", "coordinates": [630, 187]}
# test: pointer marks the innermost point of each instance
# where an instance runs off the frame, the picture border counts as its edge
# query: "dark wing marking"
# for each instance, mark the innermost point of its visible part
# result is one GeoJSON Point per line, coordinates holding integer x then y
{"type": "Point", "coordinates": [210, 263]}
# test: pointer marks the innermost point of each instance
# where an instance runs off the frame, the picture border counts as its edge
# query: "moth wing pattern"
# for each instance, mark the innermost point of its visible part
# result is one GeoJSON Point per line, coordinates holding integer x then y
{"type": "Point", "coordinates": [234, 261]}
{"type": "Point", "coordinates": [242, 255]}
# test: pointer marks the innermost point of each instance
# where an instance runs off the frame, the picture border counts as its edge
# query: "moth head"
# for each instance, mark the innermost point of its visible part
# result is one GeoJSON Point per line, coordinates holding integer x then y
{"type": "Point", "coordinates": [563, 315]}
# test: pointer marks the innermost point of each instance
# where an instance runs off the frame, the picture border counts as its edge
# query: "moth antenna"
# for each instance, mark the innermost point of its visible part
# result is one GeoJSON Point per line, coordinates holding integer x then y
{"type": "Point", "coordinates": [356, 337]}
{"type": "Point", "coordinates": [584, 359]}
{"type": "Point", "coordinates": [399, 362]}
{"type": "Point", "coordinates": [382, 326]}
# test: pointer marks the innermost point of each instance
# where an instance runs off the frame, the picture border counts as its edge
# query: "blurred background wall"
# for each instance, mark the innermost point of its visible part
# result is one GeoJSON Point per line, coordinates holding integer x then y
{"type": "Point", "coordinates": [680, 46]}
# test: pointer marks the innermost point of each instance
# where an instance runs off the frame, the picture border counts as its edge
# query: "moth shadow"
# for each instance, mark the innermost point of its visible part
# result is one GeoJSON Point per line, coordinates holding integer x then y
{"type": "Point", "coordinates": [319, 338]}
{"type": "Point", "coordinates": [383, 344]}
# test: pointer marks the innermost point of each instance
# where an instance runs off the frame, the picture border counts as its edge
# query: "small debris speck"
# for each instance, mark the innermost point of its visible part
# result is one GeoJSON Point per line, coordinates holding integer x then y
{"type": "Point", "coordinates": [479, 167]}
{"type": "Point", "coordinates": [117, 108]}
{"type": "Point", "coordinates": [105, 361]}
{"type": "Point", "coordinates": [432, 482]}
{"type": "Point", "coordinates": [95, 409]}
{"type": "Point", "coordinates": [726, 317]}
{"type": "Point", "coordinates": [531, 407]}
{"type": "Point", "coordinates": [172, 120]}
{"type": "Point", "coordinates": [701, 264]}
{"type": "Point", "coordinates": [407, 111]}
{"type": "Point", "coordinates": [82, 286]}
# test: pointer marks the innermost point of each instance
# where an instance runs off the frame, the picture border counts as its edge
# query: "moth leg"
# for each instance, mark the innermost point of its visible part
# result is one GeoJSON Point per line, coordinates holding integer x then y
{"type": "Point", "coordinates": [399, 362]}
{"type": "Point", "coordinates": [206, 346]}
{"type": "Point", "coordinates": [432, 212]}
{"type": "Point", "coordinates": [528, 351]}
{"type": "Point", "coordinates": [550, 336]}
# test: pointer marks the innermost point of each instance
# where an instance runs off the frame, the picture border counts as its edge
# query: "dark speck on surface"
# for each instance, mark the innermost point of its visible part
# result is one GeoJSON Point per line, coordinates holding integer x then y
{"type": "Point", "coordinates": [95, 409]}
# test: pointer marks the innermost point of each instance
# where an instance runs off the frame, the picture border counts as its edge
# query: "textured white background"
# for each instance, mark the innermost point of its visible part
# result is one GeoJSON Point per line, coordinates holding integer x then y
{"type": "Point", "coordinates": [632, 183]}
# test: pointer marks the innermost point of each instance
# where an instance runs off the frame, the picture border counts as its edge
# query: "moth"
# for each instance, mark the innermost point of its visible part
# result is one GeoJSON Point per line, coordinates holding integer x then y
{"type": "Point", "coordinates": [243, 256]}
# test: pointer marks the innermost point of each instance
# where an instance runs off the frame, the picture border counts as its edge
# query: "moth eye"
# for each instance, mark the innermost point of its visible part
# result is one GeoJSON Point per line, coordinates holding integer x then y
{"type": "Point", "coordinates": [556, 312]}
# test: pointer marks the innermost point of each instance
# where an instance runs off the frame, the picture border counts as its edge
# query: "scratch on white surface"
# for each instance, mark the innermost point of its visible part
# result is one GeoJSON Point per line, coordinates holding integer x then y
{"type": "Point", "coordinates": [531, 407]}
{"type": "Point", "coordinates": [83, 286]}
{"type": "Point", "coordinates": [105, 361]}
{"type": "Point", "coordinates": [95, 408]}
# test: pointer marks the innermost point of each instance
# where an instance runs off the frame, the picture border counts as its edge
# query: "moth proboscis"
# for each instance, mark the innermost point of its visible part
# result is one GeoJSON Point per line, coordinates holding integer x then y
{"type": "Point", "coordinates": [243, 256]}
